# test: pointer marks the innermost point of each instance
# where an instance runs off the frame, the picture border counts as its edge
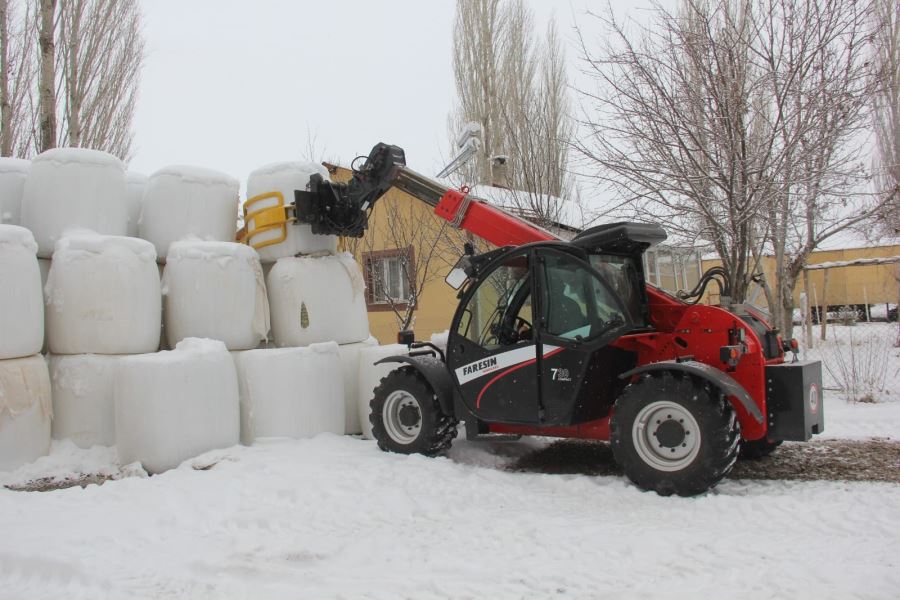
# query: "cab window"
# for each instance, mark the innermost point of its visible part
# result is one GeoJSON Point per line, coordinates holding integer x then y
{"type": "Point", "coordinates": [623, 277]}
{"type": "Point", "coordinates": [499, 313]}
{"type": "Point", "coordinates": [575, 302]}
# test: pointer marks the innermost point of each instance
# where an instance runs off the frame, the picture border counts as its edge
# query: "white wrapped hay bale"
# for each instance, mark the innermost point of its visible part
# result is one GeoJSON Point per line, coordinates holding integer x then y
{"type": "Point", "coordinates": [350, 365]}
{"type": "Point", "coordinates": [174, 405]}
{"type": "Point", "coordinates": [290, 392]}
{"type": "Point", "coordinates": [285, 177]}
{"type": "Point", "coordinates": [83, 407]}
{"type": "Point", "coordinates": [181, 202]}
{"type": "Point", "coordinates": [215, 290]}
{"type": "Point", "coordinates": [103, 296]}
{"type": "Point", "coordinates": [74, 187]}
{"type": "Point", "coordinates": [21, 299]}
{"type": "Point", "coordinates": [370, 376]}
{"type": "Point", "coordinates": [25, 411]}
{"type": "Point", "coordinates": [317, 300]}
{"type": "Point", "coordinates": [135, 183]}
{"type": "Point", "coordinates": [13, 172]}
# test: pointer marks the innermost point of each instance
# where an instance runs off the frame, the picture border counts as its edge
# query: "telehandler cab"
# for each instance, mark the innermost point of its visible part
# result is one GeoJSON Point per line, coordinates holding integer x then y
{"type": "Point", "coordinates": [567, 339]}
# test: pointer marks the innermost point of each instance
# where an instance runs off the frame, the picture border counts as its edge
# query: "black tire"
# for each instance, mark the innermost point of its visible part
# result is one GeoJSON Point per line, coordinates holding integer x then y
{"type": "Point", "coordinates": [756, 449]}
{"type": "Point", "coordinates": [406, 416]}
{"type": "Point", "coordinates": [674, 434]}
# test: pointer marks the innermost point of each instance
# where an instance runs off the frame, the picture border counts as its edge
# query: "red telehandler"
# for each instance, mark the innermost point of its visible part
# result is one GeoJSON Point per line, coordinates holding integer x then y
{"type": "Point", "coordinates": [566, 339]}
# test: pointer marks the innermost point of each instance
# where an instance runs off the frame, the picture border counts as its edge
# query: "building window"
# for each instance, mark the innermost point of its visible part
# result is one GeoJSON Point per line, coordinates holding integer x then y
{"type": "Point", "coordinates": [388, 275]}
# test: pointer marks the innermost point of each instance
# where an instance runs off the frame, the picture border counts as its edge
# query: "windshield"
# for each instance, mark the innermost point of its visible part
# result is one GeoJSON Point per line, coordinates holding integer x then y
{"type": "Point", "coordinates": [623, 275]}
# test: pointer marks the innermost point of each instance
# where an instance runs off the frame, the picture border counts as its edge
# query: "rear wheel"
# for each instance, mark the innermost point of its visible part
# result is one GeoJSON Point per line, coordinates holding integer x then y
{"type": "Point", "coordinates": [674, 434]}
{"type": "Point", "coordinates": [406, 416]}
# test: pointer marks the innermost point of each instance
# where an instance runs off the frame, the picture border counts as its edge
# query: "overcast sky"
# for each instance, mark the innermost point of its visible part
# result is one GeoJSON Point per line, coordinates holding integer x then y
{"type": "Point", "coordinates": [233, 85]}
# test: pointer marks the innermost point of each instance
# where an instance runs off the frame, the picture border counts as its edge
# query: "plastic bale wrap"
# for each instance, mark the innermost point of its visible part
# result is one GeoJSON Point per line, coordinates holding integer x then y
{"type": "Point", "coordinates": [370, 376]}
{"type": "Point", "coordinates": [103, 296]}
{"type": "Point", "coordinates": [13, 172]}
{"type": "Point", "coordinates": [175, 405]}
{"type": "Point", "coordinates": [290, 392]}
{"type": "Point", "coordinates": [25, 411]}
{"type": "Point", "coordinates": [83, 407]}
{"type": "Point", "coordinates": [182, 202]}
{"type": "Point", "coordinates": [350, 364]}
{"type": "Point", "coordinates": [215, 290]}
{"type": "Point", "coordinates": [135, 184]}
{"type": "Point", "coordinates": [74, 187]}
{"type": "Point", "coordinates": [316, 300]}
{"type": "Point", "coordinates": [21, 299]}
{"type": "Point", "coordinates": [285, 177]}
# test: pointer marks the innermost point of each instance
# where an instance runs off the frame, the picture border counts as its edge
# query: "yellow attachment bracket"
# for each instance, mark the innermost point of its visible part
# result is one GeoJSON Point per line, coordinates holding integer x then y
{"type": "Point", "coordinates": [262, 220]}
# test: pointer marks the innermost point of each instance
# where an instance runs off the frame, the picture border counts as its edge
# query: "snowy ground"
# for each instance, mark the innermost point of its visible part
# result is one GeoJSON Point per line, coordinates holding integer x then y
{"type": "Point", "coordinates": [333, 517]}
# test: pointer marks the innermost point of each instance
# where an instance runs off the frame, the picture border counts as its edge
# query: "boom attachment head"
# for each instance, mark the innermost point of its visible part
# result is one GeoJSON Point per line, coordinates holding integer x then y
{"type": "Point", "coordinates": [343, 208]}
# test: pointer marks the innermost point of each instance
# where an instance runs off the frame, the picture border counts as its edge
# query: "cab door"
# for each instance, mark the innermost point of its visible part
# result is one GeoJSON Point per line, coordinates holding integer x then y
{"type": "Point", "coordinates": [580, 314]}
{"type": "Point", "coordinates": [492, 351]}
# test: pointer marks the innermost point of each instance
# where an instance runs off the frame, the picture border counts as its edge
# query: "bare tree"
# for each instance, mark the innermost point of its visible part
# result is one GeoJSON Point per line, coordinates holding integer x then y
{"type": "Point", "coordinates": [47, 89]}
{"type": "Point", "coordinates": [86, 74]}
{"type": "Point", "coordinates": [887, 111]}
{"type": "Point", "coordinates": [101, 52]}
{"type": "Point", "coordinates": [516, 89]}
{"type": "Point", "coordinates": [477, 34]}
{"type": "Point", "coordinates": [736, 122]}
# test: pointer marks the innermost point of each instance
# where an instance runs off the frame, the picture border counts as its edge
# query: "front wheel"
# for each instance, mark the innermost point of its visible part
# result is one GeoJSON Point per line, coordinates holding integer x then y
{"type": "Point", "coordinates": [674, 434]}
{"type": "Point", "coordinates": [406, 416]}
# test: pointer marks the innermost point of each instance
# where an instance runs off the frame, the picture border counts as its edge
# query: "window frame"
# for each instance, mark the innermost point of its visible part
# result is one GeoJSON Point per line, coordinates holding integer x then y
{"type": "Point", "coordinates": [380, 257]}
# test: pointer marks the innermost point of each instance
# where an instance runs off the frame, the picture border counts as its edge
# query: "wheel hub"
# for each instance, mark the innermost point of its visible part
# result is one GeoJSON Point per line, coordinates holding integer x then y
{"type": "Point", "coordinates": [402, 417]}
{"type": "Point", "coordinates": [666, 435]}
{"type": "Point", "coordinates": [670, 433]}
{"type": "Point", "coordinates": [409, 415]}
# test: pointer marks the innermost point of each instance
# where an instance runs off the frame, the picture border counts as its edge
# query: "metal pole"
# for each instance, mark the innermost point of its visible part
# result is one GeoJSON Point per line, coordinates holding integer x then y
{"type": "Point", "coordinates": [823, 314]}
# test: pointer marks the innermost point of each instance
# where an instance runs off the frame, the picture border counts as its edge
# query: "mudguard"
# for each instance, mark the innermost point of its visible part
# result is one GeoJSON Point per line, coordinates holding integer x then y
{"type": "Point", "coordinates": [435, 372]}
{"type": "Point", "coordinates": [721, 380]}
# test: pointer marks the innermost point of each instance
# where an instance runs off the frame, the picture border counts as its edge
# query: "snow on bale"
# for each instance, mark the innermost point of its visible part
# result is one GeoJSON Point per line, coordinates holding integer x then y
{"type": "Point", "coordinates": [290, 392]}
{"type": "Point", "coordinates": [350, 363]}
{"type": "Point", "coordinates": [103, 296]}
{"type": "Point", "coordinates": [21, 299]}
{"type": "Point", "coordinates": [25, 411]}
{"type": "Point", "coordinates": [285, 177]}
{"type": "Point", "coordinates": [317, 300]}
{"type": "Point", "coordinates": [215, 290]}
{"type": "Point", "coordinates": [370, 375]}
{"type": "Point", "coordinates": [182, 202]}
{"type": "Point", "coordinates": [13, 172]}
{"type": "Point", "coordinates": [83, 408]}
{"type": "Point", "coordinates": [74, 187]}
{"type": "Point", "coordinates": [176, 404]}
{"type": "Point", "coordinates": [135, 183]}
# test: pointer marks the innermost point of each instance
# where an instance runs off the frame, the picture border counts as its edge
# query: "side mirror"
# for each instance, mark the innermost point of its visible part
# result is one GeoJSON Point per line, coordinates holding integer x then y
{"type": "Point", "coordinates": [456, 278]}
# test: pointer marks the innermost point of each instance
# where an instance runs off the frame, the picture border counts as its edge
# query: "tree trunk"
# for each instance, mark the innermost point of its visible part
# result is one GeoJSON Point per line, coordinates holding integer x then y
{"type": "Point", "coordinates": [5, 106]}
{"type": "Point", "coordinates": [47, 90]}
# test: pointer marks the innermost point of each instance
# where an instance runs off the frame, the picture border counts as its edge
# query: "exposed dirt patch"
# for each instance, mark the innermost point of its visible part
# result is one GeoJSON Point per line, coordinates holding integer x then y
{"type": "Point", "coordinates": [843, 460]}
{"type": "Point", "coordinates": [48, 484]}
